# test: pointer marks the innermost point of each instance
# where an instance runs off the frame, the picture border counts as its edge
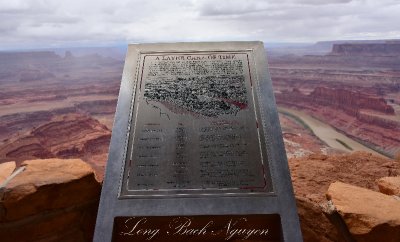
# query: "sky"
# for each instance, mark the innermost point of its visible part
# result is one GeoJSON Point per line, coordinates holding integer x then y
{"type": "Point", "coordinates": [50, 23]}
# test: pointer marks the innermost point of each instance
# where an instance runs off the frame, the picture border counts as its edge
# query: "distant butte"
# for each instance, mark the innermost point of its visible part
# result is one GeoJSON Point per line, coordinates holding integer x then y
{"type": "Point", "coordinates": [375, 49]}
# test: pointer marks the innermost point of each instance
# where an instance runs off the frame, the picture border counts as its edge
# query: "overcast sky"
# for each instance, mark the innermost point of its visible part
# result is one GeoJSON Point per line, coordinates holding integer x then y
{"type": "Point", "coordinates": [47, 23]}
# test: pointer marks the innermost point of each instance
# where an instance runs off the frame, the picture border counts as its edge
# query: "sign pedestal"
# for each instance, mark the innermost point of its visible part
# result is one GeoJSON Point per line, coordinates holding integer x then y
{"type": "Point", "coordinates": [197, 150]}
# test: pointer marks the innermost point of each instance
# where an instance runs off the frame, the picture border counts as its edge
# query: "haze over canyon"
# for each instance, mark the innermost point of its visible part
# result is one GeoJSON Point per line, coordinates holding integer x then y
{"type": "Point", "coordinates": [333, 97]}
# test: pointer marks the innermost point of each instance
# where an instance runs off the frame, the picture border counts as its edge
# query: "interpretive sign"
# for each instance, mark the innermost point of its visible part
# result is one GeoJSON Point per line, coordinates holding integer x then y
{"type": "Point", "coordinates": [196, 133]}
{"type": "Point", "coordinates": [196, 127]}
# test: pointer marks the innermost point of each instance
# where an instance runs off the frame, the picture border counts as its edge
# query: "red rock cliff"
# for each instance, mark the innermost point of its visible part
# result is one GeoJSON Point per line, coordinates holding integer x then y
{"type": "Point", "coordinates": [349, 101]}
{"type": "Point", "coordinates": [49, 200]}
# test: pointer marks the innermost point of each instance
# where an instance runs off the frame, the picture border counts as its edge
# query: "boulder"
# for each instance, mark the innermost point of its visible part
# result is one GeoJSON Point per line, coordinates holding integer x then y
{"type": "Point", "coordinates": [50, 200]}
{"type": "Point", "coordinates": [312, 175]}
{"type": "Point", "coordinates": [6, 169]}
{"type": "Point", "coordinates": [389, 185]}
{"type": "Point", "coordinates": [369, 215]}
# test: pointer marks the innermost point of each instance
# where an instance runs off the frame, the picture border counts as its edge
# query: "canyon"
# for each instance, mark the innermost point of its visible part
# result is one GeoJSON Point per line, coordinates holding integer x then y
{"type": "Point", "coordinates": [355, 88]}
{"type": "Point", "coordinates": [58, 106]}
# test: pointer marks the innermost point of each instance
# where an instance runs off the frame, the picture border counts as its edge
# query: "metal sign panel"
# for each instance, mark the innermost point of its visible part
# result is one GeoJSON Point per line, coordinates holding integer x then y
{"type": "Point", "coordinates": [195, 127]}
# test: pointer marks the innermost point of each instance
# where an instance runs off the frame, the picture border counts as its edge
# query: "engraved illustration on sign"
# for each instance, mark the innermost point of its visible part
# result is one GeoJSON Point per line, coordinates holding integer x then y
{"type": "Point", "coordinates": [209, 96]}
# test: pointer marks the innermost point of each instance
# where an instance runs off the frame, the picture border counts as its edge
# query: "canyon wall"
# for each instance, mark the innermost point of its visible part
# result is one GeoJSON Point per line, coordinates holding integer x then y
{"type": "Point", "coordinates": [63, 136]}
{"type": "Point", "coordinates": [349, 100]}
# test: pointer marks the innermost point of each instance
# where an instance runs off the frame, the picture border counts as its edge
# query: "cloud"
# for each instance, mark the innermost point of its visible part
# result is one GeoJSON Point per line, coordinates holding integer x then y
{"type": "Point", "coordinates": [13, 6]}
{"type": "Point", "coordinates": [45, 23]}
{"type": "Point", "coordinates": [319, 2]}
{"type": "Point", "coordinates": [233, 7]}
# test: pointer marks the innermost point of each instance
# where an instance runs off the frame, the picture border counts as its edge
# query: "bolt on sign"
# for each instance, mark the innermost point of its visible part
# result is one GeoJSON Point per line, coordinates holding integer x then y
{"type": "Point", "coordinates": [196, 152]}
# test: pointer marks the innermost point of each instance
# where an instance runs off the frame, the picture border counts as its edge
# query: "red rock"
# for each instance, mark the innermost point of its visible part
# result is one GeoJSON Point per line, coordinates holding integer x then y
{"type": "Point", "coordinates": [51, 200]}
{"type": "Point", "coordinates": [42, 227]}
{"type": "Point", "coordinates": [369, 215]}
{"type": "Point", "coordinates": [314, 225]}
{"type": "Point", "coordinates": [312, 175]}
{"type": "Point", "coordinates": [46, 185]}
{"type": "Point", "coordinates": [389, 185]}
{"type": "Point", "coordinates": [6, 169]}
{"type": "Point", "coordinates": [70, 224]}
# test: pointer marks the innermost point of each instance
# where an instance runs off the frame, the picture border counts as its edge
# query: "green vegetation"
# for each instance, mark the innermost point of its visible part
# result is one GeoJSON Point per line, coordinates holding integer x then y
{"type": "Point", "coordinates": [344, 144]}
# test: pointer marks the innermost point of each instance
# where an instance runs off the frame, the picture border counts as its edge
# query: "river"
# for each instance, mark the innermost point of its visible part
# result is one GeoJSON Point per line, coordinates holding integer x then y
{"type": "Point", "coordinates": [328, 134]}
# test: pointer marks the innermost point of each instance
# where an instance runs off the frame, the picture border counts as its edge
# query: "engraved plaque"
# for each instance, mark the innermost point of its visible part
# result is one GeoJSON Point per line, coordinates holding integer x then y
{"type": "Point", "coordinates": [195, 127]}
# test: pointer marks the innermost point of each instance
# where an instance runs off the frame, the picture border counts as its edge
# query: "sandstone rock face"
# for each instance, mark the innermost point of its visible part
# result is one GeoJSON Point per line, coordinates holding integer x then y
{"type": "Point", "coordinates": [389, 185]}
{"type": "Point", "coordinates": [312, 175]}
{"type": "Point", "coordinates": [51, 200]}
{"type": "Point", "coordinates": [369, 215]}
{"type": "Point", "coordinates": [6, 169]}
